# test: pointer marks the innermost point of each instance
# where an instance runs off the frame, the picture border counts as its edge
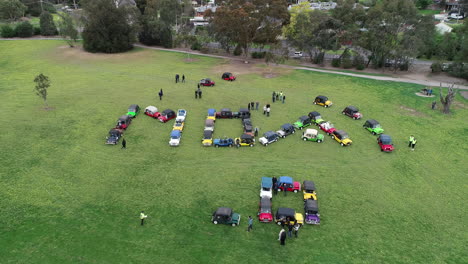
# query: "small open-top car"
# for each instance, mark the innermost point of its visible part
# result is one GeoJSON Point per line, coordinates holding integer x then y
{"type": "Point", "coordinates": [308, 189]}
{"type": "Point", "coordinates": [207, 139]}
{"type": "Point", "coordinates": [133, 110]}
{"type": "Point", "coordinates": [167, 115]}
{"type": "Point", "coordinates": [286, 183]}
{"type": "Point", "coordinates": [323, 101]}
{"type": "Point", "coordinates": [123, 122]}
{"type": "Point", "coordinates": [227, 76]}
{"type": "Point", "coordinates": [211, 114]}
{"type": "Point", "coordinates": [265, 214]}
{"type": "Point", "coordinates": [209, 124]}
{"type": "Point", "coordinates": [303, 121]}
{"type": "Point", "coordinates": [246, 140]}
{"type": "Point", "coordinates": [312, 135]}
{"type": "Point", "coordinates": [341, 137]}
{"type": "Point", "coordinates": [225, 215]}
{"type": "Point", "coordinates": [207, 82]}
{"type": "Point", "coordinates": [224, 113]}
{"type": "Point", "coordinates": [114, 136]}
{"type": "Point", "coordinates": [181, 114]}
{"type": "Point", "coordinates": [243, 113]}
{"type": "Point", "coordinates": [373, 126]}
{"type": "Point", "coordinates": [327, 127]}
{"type": "Point", "coordinates": [268, 138]}
{"type": "Point", "coordinates": [266, 187]}
{"type": "Point", "coordinates": [283, 214]}
{"type": "Point", "coordinates": [312, 216]}
{"type": "Point", "coordinates": [152, 111]}
{"type": "Point", "coordinates": [316, 117]}
{"type": "Point", "coordinates": [175, 138]}
{"type": "Point", "coordinates": [223, 142]}
{"type": "Point", "coordinates": [385, 143]}
{"type": "Point", "coordinates": [286, 130]}
{"type": "Point", "coordinates": [178, 126]}
{"type": "Point", "coordinates": [352, 112]}
{"type": "Point", "coordinates": [248, 128]}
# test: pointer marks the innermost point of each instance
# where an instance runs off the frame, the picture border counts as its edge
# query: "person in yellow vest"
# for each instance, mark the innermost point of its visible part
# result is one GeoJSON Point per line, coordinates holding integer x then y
{"type": "Point", "coordinates": [413, 144]}
{"type": "Point", "coordinates": [143, 217]}
{"type": "Point", "coordinates": [411, 138]}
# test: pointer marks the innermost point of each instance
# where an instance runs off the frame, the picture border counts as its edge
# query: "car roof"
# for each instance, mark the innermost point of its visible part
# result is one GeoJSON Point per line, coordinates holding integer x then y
{"type": "Point", "coordinates": [311, 131]}
{"type": "Point", "coordinates": [267, 182]}
{"type": "Point", "coordinates": [167, 111]}
{"type": "Point", "coordinates": [207, 133]}
{"type": "Point", "coordinates": [341, 132]}
{"type": "Point", "coordinates": [223, 211]}
{"type": "Point", "coordinates": [152, 108]}
{"type": "Point", "coordinates": [322, 97]}
{"type": "Point", "coordinates": [115, 131]}
{"type": "Point", "coordinates": [209, 122]}
{"type": "Point", "coordinates": [304, 117]}
{"type": "Point", "coordinates": [372, 122]}
{"type": "Point", "coordinates": [226, 110]}
{"type": "Point", "coordinates": [286, 211]}
{"type": "Point", "coordinates": [265, 202]}
{"type": "Point", "coordinates": [133, 106]}
{"type": "Point", "coordinates": [244, 110]}
{"type": "Point", "coordinates": [385, 138]}
{"type": "Point", "coordinates": [246, 136]}
{"type": "Point", "coordinates": [309, 185]}
{"type": "Point", "coordinates": [211, 111]}
{"type": "Point", "coordinates": [353, 108]}
{"type": "Point", "coordinates": [175, 133]}
{"type": "Point", "coordinates": [227, 73]}
{"type": "Point", "coordinates": [311, 205]}
{"type": "Point", "coordinates": [286, 179]}
{"type": "Point", "coordinates": [269, 134]}
{"type": "Point", "coordinates": [286, 126]}
{"type": "Point", "coordinates": [124, 117]}
{"type": "Point", "coordinates": [314, 113]}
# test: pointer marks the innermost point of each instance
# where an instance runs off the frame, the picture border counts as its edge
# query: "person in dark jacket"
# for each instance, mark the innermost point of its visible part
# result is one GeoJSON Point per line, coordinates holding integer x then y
{"type": "Point", "coordinates": [256, 105]}
{"type": "Point", "coordinates": [248, 106]}
{"type": "Point", "coordinates": [282, 237]}
{"type": "Point", "coordinates": [290, 229]}
{"type": "Point", "coordinates": [273, 97]}
{"type": "Point", "coordinates": [183, 78]}
{"type": "Point", "coordinates": [196, 94]}
{"type": "Point", "coordinates": [275, 188]}
{"type": "Point", "coordinates": [199, 94]}
{"type": "Point", "coordinates": [160, 94]}
{"type": "Point", "coordinates": [177, 78]}
{"type": "Point", "coordinates": [124, 143]}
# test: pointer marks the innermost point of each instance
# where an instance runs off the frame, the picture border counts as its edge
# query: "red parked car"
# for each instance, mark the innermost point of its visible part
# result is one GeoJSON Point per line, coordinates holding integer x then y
{"type": "Point", "coordinates": [167, 115]}
{"type": "Point", "coordinates": [264, 210]}
{"type": "Point", "coordinates": [352, 112]}
{"type": "Point", "coordinates": [207, 82]}
{"type": "Point", "coordinates": [123, 122]}
{"type": "Point", "coordinates": [286, 183]}
{"type": "Point", "coordinates": [385, 143]}
{"type": "Point", "coordinates": [227, 76]}
{"type": "Point", "coordinates": [327, 127]}
{"type": "Point", "coordinates": [152, 111]}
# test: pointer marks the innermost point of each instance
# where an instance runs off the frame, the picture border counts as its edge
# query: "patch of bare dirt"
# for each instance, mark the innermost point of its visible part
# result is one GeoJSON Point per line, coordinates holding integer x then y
{"type": "Point", "coordinates": [464, 94]}
{"type": "Point", "coordinates": [459, 105]}
{"type": "Point", "coordinates": [412, 112]}
{"type": "Point", "coordinates": [423, 95]}
{"type": "Point", "coordinates": [78, 53]}
{"type": "Point", "coordinates": [191, 60]}
{"type": "Point", "coordinates": [235, 67]}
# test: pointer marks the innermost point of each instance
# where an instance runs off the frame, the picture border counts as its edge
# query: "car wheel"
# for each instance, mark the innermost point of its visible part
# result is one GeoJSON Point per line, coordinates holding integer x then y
{"type": "Point", "coordinates": [305, 139]}
{"type": "Point", "coordinates": [215, 222]}
{"type": "Point", "coordinates": [315, 103]}
{"type": "Point", "coordinates": [230, 146]}
{"type": "Point", "coordinates": [266, 144]}
{"type": "Point", "coordinates": [333, 137]}
{"type": "Point", "coordinates": [279, 190]}
{"type": "Point", "coordinates": [319, 141]}
{"type": "Point", "coordinates": [343, 113]}
{"type": "Point", "coordinates": [217, 146]}
{"type": "Point", "coordinates": [278, 223]}
{"type": "Point", "coordinates": [293, 132]}
{"type": "Point", "coordinates": [342, 144]}
{"type": "Point", "coordinates": [326, 106]}
{"type": "Point", "coordinates": [234, 224]}
{"type": "Point", "coordinates": [355, 118]}
{"type": "Point", "coordinates": [328, 133]}
{"type": "Point", "coordinates": [283, 136]}
{"type": "Point", "coordinates": [373, 133]}
{"type": "Point", "coordinates": [251, 145]}
{"type": "Point", "coordinates": [381, 150]}
{"type": "Point", "coordinates": [295, 191]}
{"type": "Point", "coordinates": [300, 128]}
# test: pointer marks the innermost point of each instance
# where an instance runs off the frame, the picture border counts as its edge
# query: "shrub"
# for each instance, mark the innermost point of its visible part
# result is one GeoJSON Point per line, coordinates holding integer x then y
{"type": "Point", "coordinates": [204, 49]}
{"type": "Point", "coordinates": [318, 58]}
{"type": "Point", "coordinates": [459, 69]}
{"type": "Point", "coordinates": [258, 54]}
{"type": "Point", "coordinates": [37, 31]}
{"type": "Point", "coordinates": [196, 46]}
{"type": "Point", "coordinates": [7, 31]}
{"type": "Point", "coordinates": [436, 67]}
{"type": "Point", "coordinates": [359, 62]}
{"type": "Point", "coordinates": [237, 51]}
{"type": "Point", "coordinates": [336, 62]}
{"type": "Point", "coordinates": [24, 30]}
{"type": "Point", "coordinates": [404, 66]}
{"type": "Point", "coordinates": [48, 27]}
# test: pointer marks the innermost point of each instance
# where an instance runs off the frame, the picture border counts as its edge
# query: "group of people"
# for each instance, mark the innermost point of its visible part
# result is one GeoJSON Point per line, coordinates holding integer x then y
{"type": "Point", "coordinates": [427, 91]}
{"type": "Point", "coordinates": [177, 78]}
{"type": "Point", "coordinates": [267, 109]}
{"type": "Point", "coordinates": [278, 96]}
{"type": "Point", "coordinates": [412, 142]}
{"type": "Point", "coordinates": [253, 105]}
{"type": "Point", "coordinates": [292, 229]}
{"type": "Point", "coordinates": [198, 92]}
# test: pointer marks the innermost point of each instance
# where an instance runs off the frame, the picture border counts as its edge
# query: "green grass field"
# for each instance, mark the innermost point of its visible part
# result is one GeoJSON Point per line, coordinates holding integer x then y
{"type": "Point", "coordinates": [66, 197]}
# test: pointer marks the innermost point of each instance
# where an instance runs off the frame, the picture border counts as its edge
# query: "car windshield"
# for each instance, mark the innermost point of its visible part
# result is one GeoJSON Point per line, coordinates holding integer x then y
{"type": "Point", "coordinates": [265, 210]}
{"type": "Point", "coordinates": [266, 189]}
{"type": "Point", "coordinates": [174, 137]}
{"type": "Point", "coordinates": [309, 191]}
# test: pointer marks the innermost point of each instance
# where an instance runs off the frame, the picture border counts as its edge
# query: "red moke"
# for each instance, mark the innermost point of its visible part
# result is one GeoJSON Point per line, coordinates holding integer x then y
{"type": "Point", "coordinates": [227, 76]}
{"type": "Point", "coordinates": [327, 127]}
{"type": "Point", "coordinates": [152, 111]}
{"type": "Point", "coordinates": [264, 210]}
{"type": "Point", "coordinates": [167, 115]}
{"type": "Point", "coordinates": [123, 122]}
{"type": "Point", "coordinates": [207, 82]}
{"type": "Point", "coordinates": [385, 143]}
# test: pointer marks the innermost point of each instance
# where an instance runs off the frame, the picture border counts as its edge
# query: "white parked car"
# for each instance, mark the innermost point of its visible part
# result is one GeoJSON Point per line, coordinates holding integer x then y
{"type": "Point", "coordinates": [266, 187]}
{"type": "Point", "coordinates": [175, 138]}
{"type": "Point", "coordinates": [298, 54]}
{"type": "Point", "coordinates": [181, 113]}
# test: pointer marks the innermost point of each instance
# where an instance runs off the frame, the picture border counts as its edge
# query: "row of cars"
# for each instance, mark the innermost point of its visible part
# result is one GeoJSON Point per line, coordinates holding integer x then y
{"type": "Point", "coordinates": [167, 115]}
{"type": "Point", "coordinates": [227, 76]}
{"type": "Point", "coordinates": [383, 140]}
{"type": "Point", "coordinates": [123, 122]}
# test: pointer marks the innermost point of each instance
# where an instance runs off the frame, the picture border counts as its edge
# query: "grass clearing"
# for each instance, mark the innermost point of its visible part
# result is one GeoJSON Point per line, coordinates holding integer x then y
{"type": "Point", "coordinates": [65, 197]}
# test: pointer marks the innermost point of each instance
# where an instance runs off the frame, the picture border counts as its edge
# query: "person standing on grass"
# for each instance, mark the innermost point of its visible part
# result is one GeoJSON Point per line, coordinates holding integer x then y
{"type": "Point", "coordinates": [196, 94]}
{"type": "Point", "coordinates": [248, 106]}
{"type": "Point", "coordinates": [256, 105]}
{"type": "Point", "coordinates": [198, 85]}
{"type": "Point", "coordinates": [264, 109]}
{"type": "Point", "coordinates": [273, 96]}
{"type": "Point", "coordinates": [252, 104]}
{"type": "Point", "coordinates": [268, 111]}
{"type": "Point", "coordinates": [199, 93]}
{"type": "Point", "coordinates": [183, 78]}
{"type": "Point", "coordinates": [285, 188]}
{"type": "Point", "coordinates": [275, 188]}
{"type": "Point", "coordinates": [411, 138]}
{"type": "Point", "coordinates": [160, 94]}
{"type": "Point", "coordinates": [284, 98]}
{"type": "Point", "coordinates": [176, 78]}
{"type": "Point", "coordinates": [124, 144]}
{"type": "Point", "coordinates": [282, 237]}
{"type": "Point", "coordinates": [290, 229]}
{"type": "Point", "coordinates": [434, 105]}
{"type": "Point", "coordinates": [296, 230]}
{"type": "Point", "coordinates": [143, 217]}
{"type": "Point", "coordinates": [250, 227]}
{"type": "Point", "coordinates": [256, 132]}
{"type": "Point", "coordinates": [413, 144]}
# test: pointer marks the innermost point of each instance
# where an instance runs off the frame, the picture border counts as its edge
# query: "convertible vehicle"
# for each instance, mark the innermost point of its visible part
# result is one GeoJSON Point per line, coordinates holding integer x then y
{"type": "Point", "coordinates": [209, 124]}
{"type": "Point", "coordinates": [167, 115]}
{"type": "Point", "coordinates": [245, 140]}
{"type": "Point", "coordinates": [227, 76]}
{"type": "Point", "coordinates": [175, 138]}
{"type": "Point", "coordinates": [225, 215]}
{"type": "Point", "coordinates": [207, 139]}
{"type": "Point", "coordinates": [316, 117]}
{"type": "Point", "coordinates": [133, 110]}
{"type": "Point", "coordinates": [373, 126]}
{"type": "Point", "coordinates": [264, 210]}
{"type": "Point", "coordinates": [123, 122]}
{"type": "Point", "coordinates": [152, 111]}
{"type": "Point", "coordinates": [266, 187]}
{"type": "Point", "coordinates": [385, 143]}
{"type": "Point", "coordinates": [323, 101]}
{"type": "Point", "coordinates": [243, 113]}
{"type": "Point", "coordinates": [312, 216]}
{"type": "Point", "coordinates": [114, 136]}
{"type": "Point", "coordinates": [303, 121]}
{"type": "Point", "coordinates": [181, 114]}
{"type": "Point", "coordinates": [341, 137]}
{"type": "Point", "coordinates": [178, 126]}
{"type": "Point", "coordinates": [283, 214]}
{"type": "Point", "coordinates": [327, 127]}
{"type": "Point", "coordinates": [312, 135]}
{"type": "Point", "coordinates": [308, 189]}
{"type": "Point", "coordinates": [286, 130]}
{"type": "Point", "coordinates": [286, 183]}
{"type": "Point", "coordinates": [223, 142]}
{"type": "Point", "coordinates": [352, 112]}
{"type": "Point", "coordinates": [207, 82]}
{"type": "Point", "coordinates": [211, 114]}
{"type": "Point", "coordinates": [268, 138]}
{"type": "Point", "coordinates": [225, 113]}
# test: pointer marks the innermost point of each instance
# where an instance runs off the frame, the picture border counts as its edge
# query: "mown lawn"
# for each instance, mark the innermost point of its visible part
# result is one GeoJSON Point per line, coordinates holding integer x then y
{"type": "Point", "coordinates": [65, 197]}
